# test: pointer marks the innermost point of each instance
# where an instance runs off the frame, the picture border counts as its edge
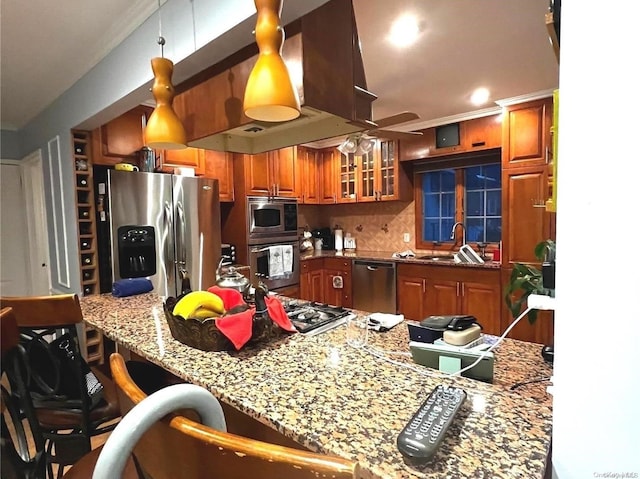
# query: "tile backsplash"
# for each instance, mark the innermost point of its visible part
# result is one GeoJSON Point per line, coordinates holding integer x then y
{"type": "Point", "coordinates": [377, 226]}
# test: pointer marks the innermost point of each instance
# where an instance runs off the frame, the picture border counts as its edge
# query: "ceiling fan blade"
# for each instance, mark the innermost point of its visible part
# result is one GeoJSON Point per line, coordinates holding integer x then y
{"type": "Point", "coordinates": [395, 135]}
{"type": "Point", "coordinates": [396, 119]}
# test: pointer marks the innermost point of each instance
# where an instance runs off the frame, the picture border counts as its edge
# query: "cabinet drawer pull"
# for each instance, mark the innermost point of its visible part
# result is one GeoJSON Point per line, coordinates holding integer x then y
{"type": "Point", "coordinates": [478, 143]}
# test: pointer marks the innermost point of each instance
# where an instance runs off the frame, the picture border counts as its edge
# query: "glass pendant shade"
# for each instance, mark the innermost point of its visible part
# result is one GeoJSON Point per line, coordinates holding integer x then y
{"type": "Point", "coordinates": [270, 94]}
{"type": "Point", "coordinates": [365, 145]}
{"type": "Point", "coordinates": [350, 145]}
{"type": "Point", "coordinates": [164, 129]}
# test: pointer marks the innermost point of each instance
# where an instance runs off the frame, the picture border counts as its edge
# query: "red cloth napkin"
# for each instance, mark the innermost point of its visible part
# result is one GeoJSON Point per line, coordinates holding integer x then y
{"type": "Point", "coordinates": [237, 327]}
{"type": "Point", "coordinates": [278, 315]}
{"type": "Point", "coordinates": [230, 297]}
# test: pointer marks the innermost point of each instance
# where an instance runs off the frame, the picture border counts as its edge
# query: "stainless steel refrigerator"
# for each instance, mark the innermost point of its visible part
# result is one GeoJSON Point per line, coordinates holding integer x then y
{"type": "Point", "coordinates": [164, 227]}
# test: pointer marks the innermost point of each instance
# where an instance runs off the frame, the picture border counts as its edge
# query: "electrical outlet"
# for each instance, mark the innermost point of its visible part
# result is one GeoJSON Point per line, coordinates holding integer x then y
{"type": "Point", "coordinates": [406, 238]}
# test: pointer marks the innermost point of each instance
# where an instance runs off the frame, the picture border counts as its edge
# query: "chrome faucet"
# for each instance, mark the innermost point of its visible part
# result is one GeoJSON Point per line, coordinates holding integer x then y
{"type": "Point", "coordinates": [453, 232]}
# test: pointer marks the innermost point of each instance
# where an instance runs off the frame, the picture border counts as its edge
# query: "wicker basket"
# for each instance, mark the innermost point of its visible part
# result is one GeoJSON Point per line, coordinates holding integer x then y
{"type": "Point", "coordinates": [204, 335]}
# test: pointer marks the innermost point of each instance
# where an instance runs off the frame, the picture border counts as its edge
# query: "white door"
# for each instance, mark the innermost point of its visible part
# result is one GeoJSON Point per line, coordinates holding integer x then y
{"type": "Point", "coordinates": [14, 264]}
{"type": "Point", "coordinates": [24, 252]}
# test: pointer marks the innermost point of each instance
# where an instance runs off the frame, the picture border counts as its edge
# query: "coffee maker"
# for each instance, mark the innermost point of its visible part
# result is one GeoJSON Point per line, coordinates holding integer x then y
{"type": "Point", "coordinates": [326, 236]}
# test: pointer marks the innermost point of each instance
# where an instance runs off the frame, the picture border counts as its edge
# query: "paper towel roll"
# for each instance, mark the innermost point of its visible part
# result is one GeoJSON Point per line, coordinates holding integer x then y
{"type": "Point", "coordinates": [338, 239]}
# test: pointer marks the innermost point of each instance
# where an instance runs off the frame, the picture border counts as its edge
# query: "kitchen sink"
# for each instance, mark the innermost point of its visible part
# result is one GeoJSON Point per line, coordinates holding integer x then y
{"type": "Point", "coordinates": [438, 257]}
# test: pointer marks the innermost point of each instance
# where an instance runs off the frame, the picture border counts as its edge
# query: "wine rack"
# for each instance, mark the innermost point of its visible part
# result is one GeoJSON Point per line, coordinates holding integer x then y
{"type": "Point", "coordinates": [87, 240]}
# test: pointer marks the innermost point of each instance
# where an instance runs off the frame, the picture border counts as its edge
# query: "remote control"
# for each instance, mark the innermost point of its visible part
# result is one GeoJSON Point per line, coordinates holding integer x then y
{"type": "Point", "coordinates": [420, 438]}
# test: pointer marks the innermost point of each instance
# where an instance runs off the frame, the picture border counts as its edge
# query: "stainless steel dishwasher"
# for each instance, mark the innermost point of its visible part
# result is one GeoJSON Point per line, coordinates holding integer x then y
{"type": "Point", "coordinates": [374, 286]}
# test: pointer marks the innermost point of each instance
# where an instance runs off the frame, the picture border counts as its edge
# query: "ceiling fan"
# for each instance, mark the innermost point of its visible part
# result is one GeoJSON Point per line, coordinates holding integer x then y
{"type": "Point", "coordinates": [363, 141]}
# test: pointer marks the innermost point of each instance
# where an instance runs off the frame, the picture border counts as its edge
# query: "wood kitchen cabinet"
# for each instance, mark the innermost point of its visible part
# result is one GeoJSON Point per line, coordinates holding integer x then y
{"type": "Point", "coordinates": [187, 158]}
{"type": "Point", "coordinates": [328, 165]}
{"type": "Point", "coordinates": [308, 176]}
{"type": "Point", "coordinates": [482, 133]}
{"type": "Point", "coordinates": [272, 173]}
{"type": "Point", "coordinates": [425, 290]}
{"type": "Point", "coordinates": [347, 176]}
{"type": "Point", "coordinates": [219, 165]}
{"type": "Point", "coordinates": [120, 139]}
{"type": "Point", "coordinates": [380, 175]}
{"type": "Point", "coordinates": [318, 281]}
{"type": "Point", "coordinates": [411, 294]}
{"type": "Point", "coordinates": [311, 280]}
{"type": "Point", "coordinates": [526, 133]}
{"type": "Point", "coordinates": [525, 180]}
{"type": "Point", "coordinates": [337, 282]}
{"type": "Point", "coordinates": [374, 176]}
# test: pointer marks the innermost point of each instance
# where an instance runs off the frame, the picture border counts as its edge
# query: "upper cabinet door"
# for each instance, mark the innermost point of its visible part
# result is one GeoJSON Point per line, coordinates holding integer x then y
{"type": "Point", "coordinates": [527, 134]}
{"type": "Point", "coordinates": [123, 136]}
{"type": "Point", "coordinates": [283, 171]}
{"type": "Point", "coordinates": [482, 133]}
{"type": "Point", "coordinates": [187, 157]}
{"type": "Point", "coordinates": [219, 165]}
{"type": "Point", "coordinates": [308, 177]}
{"type": "Point", "coordinates": [348, 164]}
{"type": "Point", "coordinates": [328, 162]}
{"type": "Point", "coordinates": [257, 174]}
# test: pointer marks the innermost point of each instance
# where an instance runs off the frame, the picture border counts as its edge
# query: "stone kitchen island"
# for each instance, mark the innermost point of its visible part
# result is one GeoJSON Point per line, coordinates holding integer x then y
{"type": "Point", "coordinates": [341, 401]}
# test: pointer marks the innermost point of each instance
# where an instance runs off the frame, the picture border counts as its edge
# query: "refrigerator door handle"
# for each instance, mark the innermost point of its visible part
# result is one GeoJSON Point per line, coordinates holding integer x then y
{"type": "Point", "coordinates": [169, 269]}
{"type": "Point", "coordinates": [180, 238]}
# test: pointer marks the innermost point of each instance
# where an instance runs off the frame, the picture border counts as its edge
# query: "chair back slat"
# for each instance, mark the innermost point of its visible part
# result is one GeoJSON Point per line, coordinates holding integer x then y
{"type": "Point", "coordinates": [44, 311]}
{"type": "Point", "coordinates": [177, 447]}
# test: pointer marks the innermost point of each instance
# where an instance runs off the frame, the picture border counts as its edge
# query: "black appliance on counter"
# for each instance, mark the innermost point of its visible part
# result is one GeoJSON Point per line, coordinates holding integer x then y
{"type": "Point", "coordinates": [328, 241]}
{"type": "Point", "coordinates": [309, 315]}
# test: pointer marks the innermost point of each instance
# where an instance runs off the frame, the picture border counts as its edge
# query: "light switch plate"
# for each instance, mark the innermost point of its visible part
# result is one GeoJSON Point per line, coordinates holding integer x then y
{"type": "Point", "coordinates": [406, 237]}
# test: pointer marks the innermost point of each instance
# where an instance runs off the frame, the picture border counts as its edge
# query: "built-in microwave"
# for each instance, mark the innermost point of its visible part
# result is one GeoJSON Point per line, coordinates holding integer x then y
{"type": "Point", "coordinates": [271, 218]}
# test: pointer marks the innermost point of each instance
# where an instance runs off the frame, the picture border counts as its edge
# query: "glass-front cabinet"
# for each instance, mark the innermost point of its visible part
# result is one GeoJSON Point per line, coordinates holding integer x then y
{"type": "Point", "coordinates": [347, 178]}
{"type": "Point", "coordinates": [376, 175]}
{"type": "Point", "coordinates": [388, 161]}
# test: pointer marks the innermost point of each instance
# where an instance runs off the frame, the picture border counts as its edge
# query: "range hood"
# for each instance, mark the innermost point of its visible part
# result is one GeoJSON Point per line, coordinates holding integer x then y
{"type": "Point", "coordinates": [322, 52]}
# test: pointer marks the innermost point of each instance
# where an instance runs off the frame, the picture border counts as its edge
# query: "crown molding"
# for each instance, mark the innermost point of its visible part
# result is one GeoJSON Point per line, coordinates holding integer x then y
{"type": "Point", "coordinates": [525, 98]}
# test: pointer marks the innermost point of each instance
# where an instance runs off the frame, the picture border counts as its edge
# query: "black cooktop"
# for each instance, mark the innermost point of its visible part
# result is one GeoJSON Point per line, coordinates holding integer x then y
{"type": "Point", "coordinates": [309, 315]}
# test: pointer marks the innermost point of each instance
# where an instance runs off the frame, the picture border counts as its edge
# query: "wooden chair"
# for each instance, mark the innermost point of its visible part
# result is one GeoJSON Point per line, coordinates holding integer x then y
{"type": "Point", "coordinates": [68, 415]}
{"type": "Point", "coordinates": [22, 450]}
{"type": "Point", "coordinates": [177, 447]}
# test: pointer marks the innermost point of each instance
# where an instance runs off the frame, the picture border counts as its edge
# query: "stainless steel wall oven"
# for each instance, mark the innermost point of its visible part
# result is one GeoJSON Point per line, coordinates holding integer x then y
{"type": "Point", "coordinates": [274, 250]}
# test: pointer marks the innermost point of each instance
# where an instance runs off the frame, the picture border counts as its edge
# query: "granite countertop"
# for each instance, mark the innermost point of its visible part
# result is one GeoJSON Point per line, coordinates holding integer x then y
{"type": "Point", "coordinates": [388, 256]}
{"type": "Point", "coordinates": [347, 402]}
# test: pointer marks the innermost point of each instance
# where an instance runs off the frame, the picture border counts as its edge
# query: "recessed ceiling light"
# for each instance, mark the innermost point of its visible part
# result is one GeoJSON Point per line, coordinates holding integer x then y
{"type": "Point", "coordinates": [480, 96]}
{"type": "Point", "coordinates": [404, 31]}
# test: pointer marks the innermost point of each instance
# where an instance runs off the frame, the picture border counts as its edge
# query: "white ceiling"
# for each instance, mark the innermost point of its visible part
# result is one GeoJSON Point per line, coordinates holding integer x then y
{"type": "Point", "coordinates": [464, 44]}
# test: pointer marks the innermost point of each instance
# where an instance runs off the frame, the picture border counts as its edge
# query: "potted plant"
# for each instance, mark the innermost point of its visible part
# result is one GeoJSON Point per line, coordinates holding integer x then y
{"type": "Point", "coordinates": [527, 280]}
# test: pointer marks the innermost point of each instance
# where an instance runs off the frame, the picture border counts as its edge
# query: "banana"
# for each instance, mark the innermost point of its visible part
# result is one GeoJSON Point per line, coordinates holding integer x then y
{"type": "Point", "coordinates": [204, 313]}
{"type": "Point", "coordinates": [194, 300]}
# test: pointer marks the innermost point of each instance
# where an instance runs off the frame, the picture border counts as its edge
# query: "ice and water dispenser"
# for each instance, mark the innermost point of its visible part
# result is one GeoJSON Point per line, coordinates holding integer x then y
{"type": "Point", "coordinates": [136, 251]}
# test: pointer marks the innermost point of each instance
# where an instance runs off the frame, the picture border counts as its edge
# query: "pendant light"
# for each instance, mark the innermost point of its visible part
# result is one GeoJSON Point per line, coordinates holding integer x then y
{"type": "Point", "coordinates": [270, 94]}
{"type": "Point", "coordinates": [164, 129]}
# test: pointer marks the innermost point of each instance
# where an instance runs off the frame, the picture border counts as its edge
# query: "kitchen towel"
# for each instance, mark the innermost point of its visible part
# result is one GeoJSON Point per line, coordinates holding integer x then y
{"type": "Point", "coordinates": [287, 259]}
{"type": "Point", "coordinates": [276, 261]}
{"type": "Point", "coordinates": [130, 287]}
{"type": "Point", "coordinates": [384, 321]}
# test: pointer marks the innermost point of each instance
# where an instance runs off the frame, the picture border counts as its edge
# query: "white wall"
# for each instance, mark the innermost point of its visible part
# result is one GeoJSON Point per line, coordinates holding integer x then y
{"type": "Point", "coordinates": [596, 407]}
{"type": "Point", "coordinates": [199, 33]}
